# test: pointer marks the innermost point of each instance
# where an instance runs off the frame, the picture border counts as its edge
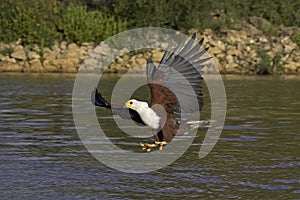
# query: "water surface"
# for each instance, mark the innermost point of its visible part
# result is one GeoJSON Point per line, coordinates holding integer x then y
{"type": "Point", "coordinates": [42, 157]}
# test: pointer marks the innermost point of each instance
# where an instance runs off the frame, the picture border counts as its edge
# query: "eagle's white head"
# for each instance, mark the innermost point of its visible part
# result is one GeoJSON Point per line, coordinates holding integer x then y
{"type": "Point", "coordinates": [147, 114]}
{"type": "Point", "coordinates": [136, 105]}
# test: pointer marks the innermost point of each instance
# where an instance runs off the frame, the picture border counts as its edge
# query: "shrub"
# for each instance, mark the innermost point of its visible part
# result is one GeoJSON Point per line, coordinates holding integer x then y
{"type": "Point", "coordinates": [26, 20]}
{"type": "Point", "coordinates": [296, 37]}
{"type": "Point", "coordinates": [79, 26]}
{"type": "Point", "coordinates": [263, 67]}
{"type": "Point", "coordinates": [268, 65]}
{"type": "Point", "coordinates": [44, 22]}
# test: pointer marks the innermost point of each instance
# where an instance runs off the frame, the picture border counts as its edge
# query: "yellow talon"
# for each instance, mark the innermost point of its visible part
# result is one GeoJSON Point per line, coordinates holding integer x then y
{"type": "Point", "coordinates": [147, 147]}
{"type": "Point", "coordinates": [161, 144]}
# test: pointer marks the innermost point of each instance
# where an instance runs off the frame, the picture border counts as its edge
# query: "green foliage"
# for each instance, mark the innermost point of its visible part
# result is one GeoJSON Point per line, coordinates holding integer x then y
{"type": "Point", "coordinates": [7, 51]}
{"type": "Point", "coordinates": [25, 20]}
{"type": "Point", "coordinates": [296, 37]}
{"type": "Point", "coordinates": [179, 15]}
{"type": "Point", "coordinates": [263, 67]}
{"type": "Point", "coordinates": [79, 26]}
{"type": "Point", "coordinates": [268, 28]}
{"type": "Point", "coordinates": [268, 65]}
{"type": "Point", "coordinates": [44, 22]}
{"type": "Point", "coordinates": [215, 14]}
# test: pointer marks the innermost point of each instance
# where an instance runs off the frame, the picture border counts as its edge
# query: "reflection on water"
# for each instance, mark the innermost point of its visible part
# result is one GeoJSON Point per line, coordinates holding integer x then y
{"type": "Point", "coordinates": [41, 156]}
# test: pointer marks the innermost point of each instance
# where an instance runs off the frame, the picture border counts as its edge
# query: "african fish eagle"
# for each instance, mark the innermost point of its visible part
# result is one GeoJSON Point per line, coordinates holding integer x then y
{"type": "Point", "coordinates": [186, 59]}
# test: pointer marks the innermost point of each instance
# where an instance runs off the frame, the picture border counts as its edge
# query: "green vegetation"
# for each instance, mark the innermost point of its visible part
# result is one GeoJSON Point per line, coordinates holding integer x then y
{"type": "Point", "coordinates": [7, 51]}
{"type": "Point", "coordinates": [267, 65]}
{"type": "Point", "coordinates": [296, 37]}
{"type": "Point", "coordinates": [81, 26]}
{"type": "Point", "coordinates": [27, 20]}
{"type": "Point", "coordinates": [215, 14]}
{"type": "Point", "coordinates": [43, 22]}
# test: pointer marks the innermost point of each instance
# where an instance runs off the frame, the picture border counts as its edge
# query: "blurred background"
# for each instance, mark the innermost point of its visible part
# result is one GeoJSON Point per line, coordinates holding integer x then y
{"type": "Point", "coordinates": [261, 37]}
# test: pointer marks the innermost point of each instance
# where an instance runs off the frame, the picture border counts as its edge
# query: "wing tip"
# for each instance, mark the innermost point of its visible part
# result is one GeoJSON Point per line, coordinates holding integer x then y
{"type": "Point", "coordinates": [194, 35]}
{"type": "Point", "coordinates": [150, 68]}
{"type": "Point", "coordinates": [98, 100]}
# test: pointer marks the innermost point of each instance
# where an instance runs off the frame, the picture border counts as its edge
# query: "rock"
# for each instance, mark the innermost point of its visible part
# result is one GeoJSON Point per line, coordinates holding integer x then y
{"type": "Point", "coordinates": [288, 44]}
{"type": "Point", "coordinates": [48, 67]}
{"type": "Point", "coordinates": [157, 55]}
{"type": "Point", "coordinates": [263, 39]}
{"type": "Point", "coordinates": [18, 53]}
{"type": "Point", "coordinates": [229, 59]}
{"type": "Point", "coordinates": [259, 22]}
{"type": "Point", "coordinates": [243, 35]}
{"type": "Point", "coordinates": [63, 63]}
{"type": "Point", "coordinates": [231, 67]}
{"type": "Point", "coordinates": [73, 46]}
{"type": "Point", "coordinates": [218, 44]}
{"type": "Point", "coordinates": [215, 51]}
{"type": "Point", "coordinates": [289, 48]}
{"type": "Point", "coordinates": [252, 54]}
{"type": "Point", "coordinates": [233, 37]}
{"type": "Point", "coordinates": [140, 61]}
{"type": "Point", "coordinates": [75, 54]}
{"type": "Point", "coordinates": [251, 41]}
{"type": "Point", "coordinates": [2, 57]}
{"type": "Point", "coordinates": [12, 67]}
{"type": "Point", "coordinates": [292, 66]}
{"type": "Point", "coordinates": [33, 55]}
{"type": "Point", "coordinates": [57, 50]}
{"type": "Point", "coordinates": [36, 65]}
{"type": "Point", "coordinates": [7, 59]}
{"type": "Point", "coordinates": [267, 47]}
{"type": "Point", "coordinates": [70, 70]}
{"type": "Point", "coordinates": [63, 45]}
{"type": "Point", "coordinates": [234, 52]}
{"type": "Point", "coordinates": [248, 48]}
{"type": "Point", "coordinates": [117, 68]}
{"type": "Point", "coordinates": [88, 44]}
{"type": "Point", "coordinates": [57, 63]}
{"type": "Point", "coordinates": [90, 64]}
{"type": "Point", "coordinates": [102, 49]}
{"type": "Point", "coordinates": [51, 54]}
{"type": "Point", "coordinates": [277, 48]}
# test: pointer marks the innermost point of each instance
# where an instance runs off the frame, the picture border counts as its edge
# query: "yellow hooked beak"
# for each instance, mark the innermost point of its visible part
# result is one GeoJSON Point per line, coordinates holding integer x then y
{"type": "Point", "coordinates": [128, 104]}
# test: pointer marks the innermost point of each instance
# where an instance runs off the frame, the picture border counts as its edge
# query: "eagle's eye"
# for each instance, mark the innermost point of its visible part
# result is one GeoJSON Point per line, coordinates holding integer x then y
{"type": "Point", "coordinates": [130, 102]}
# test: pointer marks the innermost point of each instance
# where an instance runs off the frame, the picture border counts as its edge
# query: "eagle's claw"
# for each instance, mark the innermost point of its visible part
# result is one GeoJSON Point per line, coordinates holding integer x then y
{"type": "Point", "coordinates": [147, 147]}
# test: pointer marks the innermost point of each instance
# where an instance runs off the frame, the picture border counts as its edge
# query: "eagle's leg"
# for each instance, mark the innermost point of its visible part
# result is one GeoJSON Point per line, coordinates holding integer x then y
{"type": "Point", "coordinates": [161, 144]}
{"type": "Point", "coordinates": [159, 141]}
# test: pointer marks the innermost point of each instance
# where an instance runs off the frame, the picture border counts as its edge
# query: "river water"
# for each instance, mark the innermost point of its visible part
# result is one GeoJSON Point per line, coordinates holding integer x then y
{"type": "Point", "coordinates": [256, 157]}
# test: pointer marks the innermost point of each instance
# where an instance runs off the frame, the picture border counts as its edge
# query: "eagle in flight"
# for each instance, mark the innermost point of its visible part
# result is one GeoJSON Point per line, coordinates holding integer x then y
{"type": "Point", "coordinates": [185, 61]}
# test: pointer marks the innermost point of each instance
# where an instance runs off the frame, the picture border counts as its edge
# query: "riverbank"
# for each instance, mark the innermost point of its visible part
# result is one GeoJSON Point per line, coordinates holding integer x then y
{"type": "Point", "coordinates": [256, 48]}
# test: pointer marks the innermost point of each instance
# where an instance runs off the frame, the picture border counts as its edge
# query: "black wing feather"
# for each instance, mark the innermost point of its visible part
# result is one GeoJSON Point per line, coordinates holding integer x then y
{"type": "Point", "coordinates": [124, 113]}
{"type": "Point", "coordinates": [187, 60]}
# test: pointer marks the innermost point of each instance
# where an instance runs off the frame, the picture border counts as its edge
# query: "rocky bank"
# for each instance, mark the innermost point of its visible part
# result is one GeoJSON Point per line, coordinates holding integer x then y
{"type": "Point", "coordinates": [249, 50]}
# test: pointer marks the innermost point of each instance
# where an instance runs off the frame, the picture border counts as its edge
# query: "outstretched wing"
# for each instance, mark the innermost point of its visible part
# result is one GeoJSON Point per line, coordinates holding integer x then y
{"type": "Point", "coordinates": [178, 71]}
{"type": "Point", "coordinates": [124, 113]}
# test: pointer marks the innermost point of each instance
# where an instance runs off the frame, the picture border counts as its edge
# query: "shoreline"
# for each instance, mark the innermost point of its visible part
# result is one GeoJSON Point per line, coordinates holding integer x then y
{"type": "Point", "coordinates": [248, 51]}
